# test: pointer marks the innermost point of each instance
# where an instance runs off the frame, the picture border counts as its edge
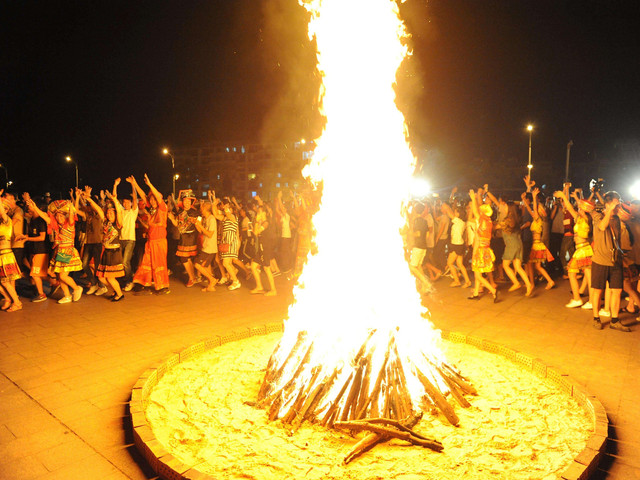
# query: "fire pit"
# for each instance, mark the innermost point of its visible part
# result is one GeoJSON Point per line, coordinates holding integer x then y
{"type": "Point", "coordinates": [486, 442]}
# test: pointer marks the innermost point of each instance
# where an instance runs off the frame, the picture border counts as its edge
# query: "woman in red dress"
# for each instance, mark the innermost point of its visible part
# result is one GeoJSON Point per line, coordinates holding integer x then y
{"type": "Point", "coordinates": [483, 256]}
{"type": "Point", "coordinates": [153, 267]}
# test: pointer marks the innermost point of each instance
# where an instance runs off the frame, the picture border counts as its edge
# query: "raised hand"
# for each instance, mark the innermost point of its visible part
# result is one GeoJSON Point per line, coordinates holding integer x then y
{"type": "Point", "coordinates": [146, 180]}
{"type": "Point", "coordinates": [102, 195]}
{"type": "Point", "coordinates": [131, 180]}
{"type": "Point", "coordinates": [87, 191]}
{"type": "Point", "coordinates": [26, 197]}
{"type": "Point", "coordinates": [535, 192]}
{"type": "Point", "coordinates": [472, 193]}
{"type": "Point", "coordinates": [116, 182]}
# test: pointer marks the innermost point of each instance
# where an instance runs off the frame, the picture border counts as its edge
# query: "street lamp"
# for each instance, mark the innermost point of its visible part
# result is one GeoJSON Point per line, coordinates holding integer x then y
{"type": "Point", "coordinates": [174, 176]}
{"type": "Point", "coordinates": [530, 165]}
{"type": "Point", "coordinates": [75, 164]}
{"type": "Point", "coordinates": [566, 172]}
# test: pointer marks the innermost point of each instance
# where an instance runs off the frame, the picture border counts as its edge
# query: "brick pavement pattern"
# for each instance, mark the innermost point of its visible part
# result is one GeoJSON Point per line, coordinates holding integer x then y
{"type": "Point", "coordinates": [66, 371]}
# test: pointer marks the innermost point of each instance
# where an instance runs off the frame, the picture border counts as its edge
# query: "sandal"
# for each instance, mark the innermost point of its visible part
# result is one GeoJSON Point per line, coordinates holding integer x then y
{"type": "Point", "coordinates": [495, 296]}
{"type": "Point", "coordinates": [6, 304]}
{"type": "Point", "coordinates": [14, 307]}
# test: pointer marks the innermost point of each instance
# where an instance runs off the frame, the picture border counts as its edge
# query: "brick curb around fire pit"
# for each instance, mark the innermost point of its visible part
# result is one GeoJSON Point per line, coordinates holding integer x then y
{"type": "Point", "coordinates": [169, 467]}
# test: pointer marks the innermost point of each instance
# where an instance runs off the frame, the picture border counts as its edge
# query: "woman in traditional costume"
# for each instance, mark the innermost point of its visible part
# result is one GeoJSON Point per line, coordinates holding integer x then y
{"type": "Point", "coordinates": [483, 257]}
{"type": "Point", "coordinates": [185, 221]}
{"type": "Point", "coordinates": [61, 221]}
{"type": "Point", "coordinates": [153, 266]}
{"type": "Point", "coordinates": [9, 269]}
{"type": "Point", "coordinates": [539, 251]}
{"type": "Point", "coordinates": [110, 267]}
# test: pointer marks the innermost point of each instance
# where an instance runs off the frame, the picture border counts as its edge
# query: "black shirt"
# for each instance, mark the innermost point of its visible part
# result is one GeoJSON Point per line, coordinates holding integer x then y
{"type": "Point", "coordinates": [420, 225]}
{"type": "Point", "coordinates": [36, 226]}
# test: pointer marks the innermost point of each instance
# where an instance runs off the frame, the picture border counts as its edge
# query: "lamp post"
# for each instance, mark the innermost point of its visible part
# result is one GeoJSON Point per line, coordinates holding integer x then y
{"type": "Point", "coordinates": [530, 130]}
{"type": "Point", "coordinates": [174, 177]}
{"type": "Point", "coordinates": [75, 164]}
{"type": "Point", "coordinates": [566, 172]}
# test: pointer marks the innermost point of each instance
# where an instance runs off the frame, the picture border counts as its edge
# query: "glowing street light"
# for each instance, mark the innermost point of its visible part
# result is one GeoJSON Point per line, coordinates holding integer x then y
{"type": "Point", "coordinates": [175, 176]}
{"type": "Point", "coordinates": [75, 164]}
{"type": "Point", "coordinates": [530, 130]}
{"type": "Point", "coordinates": [635, 190]}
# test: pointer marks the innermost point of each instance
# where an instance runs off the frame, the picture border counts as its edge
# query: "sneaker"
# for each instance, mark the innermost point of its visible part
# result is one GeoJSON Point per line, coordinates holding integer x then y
{"type": "Point", "coordinates": [604, 313]}
{"type": "Point", "coordinates": [191, 283]}
{"type": "Point", "coordinates": [223, 280]}
{"type": "Point", "coordinates": [619, 326]}
{"type": "Point", "coordinates": [92, 289]}
{"type": "Point", "coordinates": [587, 306]}
{"type": "Point", "coordinates": [597, 324]}
{"type": "Point", "coordinates": [101, 291]}
{"type": "Point", "coordinates": [574, 303]}
{"type": "Point", "coordinates": [128, 287]}
{"type": "Point", "coordinates": [68, 299]}
{"type": "Point", "coordinates": [77, 294]}
{"type": "Point", "coordinates": [39, 298]}
{"type": "Point", "coordinates": [234, 286]}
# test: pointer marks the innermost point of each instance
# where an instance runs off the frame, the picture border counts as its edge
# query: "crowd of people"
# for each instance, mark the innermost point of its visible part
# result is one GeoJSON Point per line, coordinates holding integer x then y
{"type": "Point", "coordinates": [94, 244]}
{"type": "Point", "coordinates": [593, 241]}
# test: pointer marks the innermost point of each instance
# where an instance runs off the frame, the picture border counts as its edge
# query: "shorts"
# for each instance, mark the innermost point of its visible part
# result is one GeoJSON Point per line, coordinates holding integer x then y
{"type": "Point", "coordinates": [417, 256]}
{"type": "Point", "coordinates": [39, 265]}
{"type": "Point", "coordinates": [205, 259]}
{"type": "Point", "coordinates": [457, 249]}
{"type": "Point", "coordinates": [512, 247]}
{"type": "Point", "coordinates": [600, 274]}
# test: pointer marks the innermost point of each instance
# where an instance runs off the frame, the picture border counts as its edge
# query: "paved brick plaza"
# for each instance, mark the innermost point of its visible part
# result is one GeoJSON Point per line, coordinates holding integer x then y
{"type": "Point", "coordinates": [66, 371]}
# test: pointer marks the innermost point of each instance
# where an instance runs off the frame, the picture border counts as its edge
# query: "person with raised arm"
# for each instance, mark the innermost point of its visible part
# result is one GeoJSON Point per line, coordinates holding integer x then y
{"type": "Point", "coordinates": [185, 222]}
{"type": "Point", "coordinates": [153, 266]}
{"type": "Point", "coordinates": [110, 267]}
{"type": "Point", "coordinates": [208, 228]}
{"type": "Point", "coordinates": [9, 269]}
{"type": "Point", "coordinates": [583, 253]}
{"type": "Point", "coordinates": [457, 247]}
{"type": "Point", "coordinates": [230, 241]}
{"type": "Point", "coordinates": [539, 251]}
{"type": "Point", "coordinates": [483, 257]}
{"type": "Point", "coordinates": [64, 258]}
{"type": "Point", "coordinates": [39, 253]}
{"type": "Point", "coordinates": [128, 232]}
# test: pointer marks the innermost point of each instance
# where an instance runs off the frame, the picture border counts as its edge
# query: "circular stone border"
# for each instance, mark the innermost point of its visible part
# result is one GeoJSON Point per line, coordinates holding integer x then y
{"type": "Point", "coordinates": [169, 467]}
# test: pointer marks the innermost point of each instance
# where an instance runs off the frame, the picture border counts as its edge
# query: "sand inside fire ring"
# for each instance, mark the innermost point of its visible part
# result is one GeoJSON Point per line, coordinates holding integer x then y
{"type": "Point", "coordinates": [519, 426]}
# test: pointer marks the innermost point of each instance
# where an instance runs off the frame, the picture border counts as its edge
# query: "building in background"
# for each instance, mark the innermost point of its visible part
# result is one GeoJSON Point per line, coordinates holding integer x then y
{"type": "Point", "coordinates": [242, 170]}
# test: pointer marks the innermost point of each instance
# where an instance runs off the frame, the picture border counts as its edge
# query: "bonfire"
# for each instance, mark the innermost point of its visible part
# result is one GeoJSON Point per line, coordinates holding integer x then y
{"type": "Point", "coordinates": [359, 351]}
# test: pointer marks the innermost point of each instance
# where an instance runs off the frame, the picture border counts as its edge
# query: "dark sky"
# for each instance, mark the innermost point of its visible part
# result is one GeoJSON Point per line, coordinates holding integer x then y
{"type": "Point", "coordinates": [111, 82]}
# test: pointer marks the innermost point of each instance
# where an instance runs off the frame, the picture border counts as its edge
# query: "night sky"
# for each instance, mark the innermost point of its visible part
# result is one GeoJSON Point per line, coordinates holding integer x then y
{"type": "Point", "coordinates": [110, 83]}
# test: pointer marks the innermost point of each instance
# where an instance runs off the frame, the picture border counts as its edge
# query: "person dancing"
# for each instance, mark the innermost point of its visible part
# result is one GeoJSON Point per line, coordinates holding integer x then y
{"type": "Point", "coordinates": [9, 269]}
{"type": "Point", "coordinates": [153, 266]}
{"type": "Point", "coordinates": [64, 259]}
{"type": "Point", "coordinates": [539, 251]}
{"type": "Point", "coordinates": [483, 257]}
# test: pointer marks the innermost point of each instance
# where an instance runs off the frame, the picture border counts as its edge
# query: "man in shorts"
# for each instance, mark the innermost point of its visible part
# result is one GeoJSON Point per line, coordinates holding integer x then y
{"type": "Point", "coordinates": [419, 250]}
{"type": "Point", "coordinates": [207, 226]}
{"type": "Point", "coordinates": [605, 268]}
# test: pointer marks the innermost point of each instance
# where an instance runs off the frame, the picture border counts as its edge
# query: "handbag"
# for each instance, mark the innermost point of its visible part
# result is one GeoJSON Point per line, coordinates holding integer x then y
{"type": "Point", "coordinates": [63, 257]}
{"type": "Point", "coordinates": [617, 254]}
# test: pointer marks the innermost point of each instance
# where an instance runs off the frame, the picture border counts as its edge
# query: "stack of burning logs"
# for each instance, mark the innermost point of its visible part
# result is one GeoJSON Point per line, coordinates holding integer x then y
{"type": "Point", "coordinates": [377, 401]}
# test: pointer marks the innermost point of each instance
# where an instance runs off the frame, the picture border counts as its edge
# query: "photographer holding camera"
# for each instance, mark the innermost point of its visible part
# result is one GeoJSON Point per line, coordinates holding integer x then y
{"type": "Point", "coordinates": [607, 260]}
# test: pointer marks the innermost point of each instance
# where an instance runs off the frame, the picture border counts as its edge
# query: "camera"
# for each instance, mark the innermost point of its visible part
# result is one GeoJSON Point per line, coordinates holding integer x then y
{"type": "Point", "coordinates": [597, 185]}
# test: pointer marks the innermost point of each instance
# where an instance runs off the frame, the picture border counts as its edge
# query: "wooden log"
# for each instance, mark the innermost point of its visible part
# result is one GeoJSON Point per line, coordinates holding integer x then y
{"type": "Point", "coordinates": [272, 375]}
{"type": "Point", "coordinates": [287, 389]}
{"type": "Point", "coordinates": [314, 398]}
{"type": "Point", "coordinates": [363, 394]}
{"type": "Point", "coordinates": [371, 440]}
{"type": "Point", "coordinates": [336, 403]}
{"type": "Point", "coordinates": [373, 397]}
{"type": "Point", "coordinates": [352, 397]}
{"type": "Point", "coordinates": [391, 433]}
{"type": "Point", "coordinates": [455, 390]}
{"type": "Point", "coordinates": [302, 396]}
{"type": "Point", "coordinates": [438, 399]}
{"type": "Point", "coordinates": [461, 381]}
{"type": "Point", "coordinates": [403, 389]}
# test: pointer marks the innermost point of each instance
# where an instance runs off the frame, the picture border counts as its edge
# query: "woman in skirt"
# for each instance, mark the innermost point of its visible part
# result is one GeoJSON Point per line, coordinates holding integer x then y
{"type": "Point", "coordinates": [185, 221]}
{"type": "Point", "coordinates": [266, 238]}
{"type": "Point", "coordinates": [581, 258]}
{"type": "Point", "coordinates": [61, 221]}
{"type": "Point", "coordinates": [539, 251]}
{"type": "Point", "coordinates": [110, 267]}
{"type": "Point", "coordinates": [9, 270]}
{"type": "Point", "coordinates": [230, 241]}
{"type": "Point", "coordinates": [483, 257]}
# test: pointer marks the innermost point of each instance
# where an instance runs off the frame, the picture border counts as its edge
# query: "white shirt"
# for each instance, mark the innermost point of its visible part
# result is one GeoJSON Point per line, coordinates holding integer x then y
{"type": "Point", "coordinates": [286, 226]}
{"type": "Point", "coordinates": [457, 229]}
{"type": "Point", "coordinates": [210, 244]}
{"type": "Point", "coordinates": [129, 224]}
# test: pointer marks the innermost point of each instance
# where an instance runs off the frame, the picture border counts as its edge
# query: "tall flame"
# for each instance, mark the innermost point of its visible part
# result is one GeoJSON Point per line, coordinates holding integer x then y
{"type": "Point", "coordinates": [359, 280]}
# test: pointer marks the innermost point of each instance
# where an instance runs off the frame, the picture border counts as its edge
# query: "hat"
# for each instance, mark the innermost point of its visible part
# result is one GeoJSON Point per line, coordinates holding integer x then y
{"type": "Point", "coordinates": [60, 206]}
{"type": "Point", "coordinates": [624, 212]}
{"type": "Point", "coordinates": [187, 194]}
{"type": "Point", "coordinates": [486, 209]}
{"type": "Point", "coordinates": [586, 205]}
